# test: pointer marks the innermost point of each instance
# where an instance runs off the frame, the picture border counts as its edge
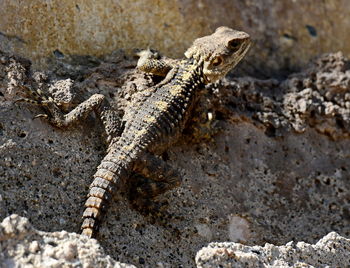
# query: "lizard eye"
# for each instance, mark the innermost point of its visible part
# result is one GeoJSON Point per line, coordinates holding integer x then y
{"type": "Point", "coordinates": [217, 61]}
{"type": "Point", "coordinates": [234, 44]}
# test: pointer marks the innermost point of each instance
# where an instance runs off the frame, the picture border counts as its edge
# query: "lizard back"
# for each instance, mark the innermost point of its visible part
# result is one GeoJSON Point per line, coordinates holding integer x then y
{"type": "Point", "coordinates": [158, 118]}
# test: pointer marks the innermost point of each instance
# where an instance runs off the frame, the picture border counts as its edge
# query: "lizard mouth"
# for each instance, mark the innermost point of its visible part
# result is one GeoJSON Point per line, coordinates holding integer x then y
{"type": "Point", "coordinates": [213, 77]}
{"type": "Point", "coordinates": [206, 80]}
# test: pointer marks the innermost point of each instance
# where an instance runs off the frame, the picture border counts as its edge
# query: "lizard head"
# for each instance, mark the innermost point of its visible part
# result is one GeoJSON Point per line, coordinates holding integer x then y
{"type": "Point", "coordinates": [220, 52]}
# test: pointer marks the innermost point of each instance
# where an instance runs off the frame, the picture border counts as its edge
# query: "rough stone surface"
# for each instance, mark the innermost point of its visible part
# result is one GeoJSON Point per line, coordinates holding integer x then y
{"type": "Point", "coordinates": [286, 33]}
{"type": "Point", "coordinates": [332, 250]}
{"type": "Point", "coordinates": [264, 160]}
{"type": "Point", "coordinates": [317, 98]}
{"type": "Point", "coordinates": [23, 246]}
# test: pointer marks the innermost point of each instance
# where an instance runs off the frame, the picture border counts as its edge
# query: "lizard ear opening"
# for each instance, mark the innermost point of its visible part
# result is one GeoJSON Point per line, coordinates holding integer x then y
{"type": "Point", "coordinates": [234, 44]}
{"type": "Point", "coordinates": [217, 61]}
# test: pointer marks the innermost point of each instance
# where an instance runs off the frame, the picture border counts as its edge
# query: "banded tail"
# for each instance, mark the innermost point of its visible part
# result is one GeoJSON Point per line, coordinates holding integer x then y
{"type": "Point", "coordinates": [108, 174]}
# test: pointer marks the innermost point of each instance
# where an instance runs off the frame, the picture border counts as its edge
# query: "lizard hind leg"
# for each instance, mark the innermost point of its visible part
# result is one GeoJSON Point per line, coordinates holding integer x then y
{"type": "Point", "coordinates": [142, 195]}
{"type": "Point", "coordinates": [152, 177]}
{"type": "Point", "coordinates": [161, 177]}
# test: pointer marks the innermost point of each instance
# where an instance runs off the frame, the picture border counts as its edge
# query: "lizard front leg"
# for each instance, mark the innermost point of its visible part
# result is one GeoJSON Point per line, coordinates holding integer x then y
{"type": "Point", "coordinates": [151, 62]}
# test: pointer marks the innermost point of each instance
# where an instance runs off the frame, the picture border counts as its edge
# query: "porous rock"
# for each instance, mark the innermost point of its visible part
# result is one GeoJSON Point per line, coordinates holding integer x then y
{"type": "Point", "coordinates": [332, 250]}
{"type": "Point", "coordinates": [23, 246]}
{"type": "Point", "coordinates": [286, 34]}
{"type": "Point", "coordinates": [251, 175]}
{"type": "Point", "coordinates": [317, 97]}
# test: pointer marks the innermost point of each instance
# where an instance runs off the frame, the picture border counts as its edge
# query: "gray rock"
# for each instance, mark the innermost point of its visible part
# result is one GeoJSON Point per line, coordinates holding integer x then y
{"type": "Point", "coordinates": [23, 246]}
{"type": "Point", "coordinates": [315, 98]}
{"type": "Point", "coordinates": [332, 250]}
{"type": "Point", "coordinates": [286, 34]}
{"type": "Point", "coordinates": [250, 174]}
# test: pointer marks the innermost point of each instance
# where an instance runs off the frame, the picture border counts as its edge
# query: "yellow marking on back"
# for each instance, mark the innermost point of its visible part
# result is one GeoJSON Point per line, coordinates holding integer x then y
{"type": "Point", "coordinates": [191, 68]}
{"type": "Point", "coordinates": [150, 119]}
{"type": "Point", "coordinates": [175, 90]}
{"type": "Point", "coordinates": [128, 147]}
{"type": "Point", "coordinates": [186, 76]}
{"type": "Point", "coordinates": [161, 105]}
{"type": "Point", "coordinates": [140, 132]}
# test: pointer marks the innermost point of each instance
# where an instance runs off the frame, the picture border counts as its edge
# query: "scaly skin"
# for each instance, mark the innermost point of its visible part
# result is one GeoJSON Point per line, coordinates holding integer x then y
{"type": "Point", "coordinates": [165, 111]}
{"type": "Point", "coordinates": [160, 116]}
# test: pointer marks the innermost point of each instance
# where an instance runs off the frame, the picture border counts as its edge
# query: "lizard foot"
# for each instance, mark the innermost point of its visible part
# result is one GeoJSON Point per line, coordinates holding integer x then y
{"type": "Point", "coordinates": [37, 97]}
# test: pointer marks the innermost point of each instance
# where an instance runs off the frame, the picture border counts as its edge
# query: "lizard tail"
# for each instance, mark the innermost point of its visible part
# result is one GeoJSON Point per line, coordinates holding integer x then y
{"type": "Point", "coordinates": [101, 190]}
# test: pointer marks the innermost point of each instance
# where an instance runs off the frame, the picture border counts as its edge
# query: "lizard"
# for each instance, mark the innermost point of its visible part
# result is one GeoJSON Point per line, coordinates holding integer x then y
{"type": "Point", "coordinates": [156, 123]}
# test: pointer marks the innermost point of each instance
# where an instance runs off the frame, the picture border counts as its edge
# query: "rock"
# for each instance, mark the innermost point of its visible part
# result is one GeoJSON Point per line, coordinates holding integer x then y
{"type": "Point", "coordinates": [258, 166]}
{"type": "Point", "coordinates": [315, 97]}
{"type": "Point", "coordinates": [286, 34]}
{"type": "Point", "coordinates": [23, 246]}
{"type": "Point", "coordinates": [332, 250]}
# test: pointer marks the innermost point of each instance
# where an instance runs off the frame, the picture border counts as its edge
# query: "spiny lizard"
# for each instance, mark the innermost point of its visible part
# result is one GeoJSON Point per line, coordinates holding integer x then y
{"type": "Point", "coordinates": [157, 121]}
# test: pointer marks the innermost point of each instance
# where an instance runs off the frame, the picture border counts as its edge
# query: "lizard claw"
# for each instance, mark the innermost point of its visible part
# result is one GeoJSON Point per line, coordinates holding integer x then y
{"type": "Point", "coordinates": [19, 100]}
{"type": "Point", "coordinates": [41, 116]}
{"type": "Point", "coordinates": [27, 100]}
